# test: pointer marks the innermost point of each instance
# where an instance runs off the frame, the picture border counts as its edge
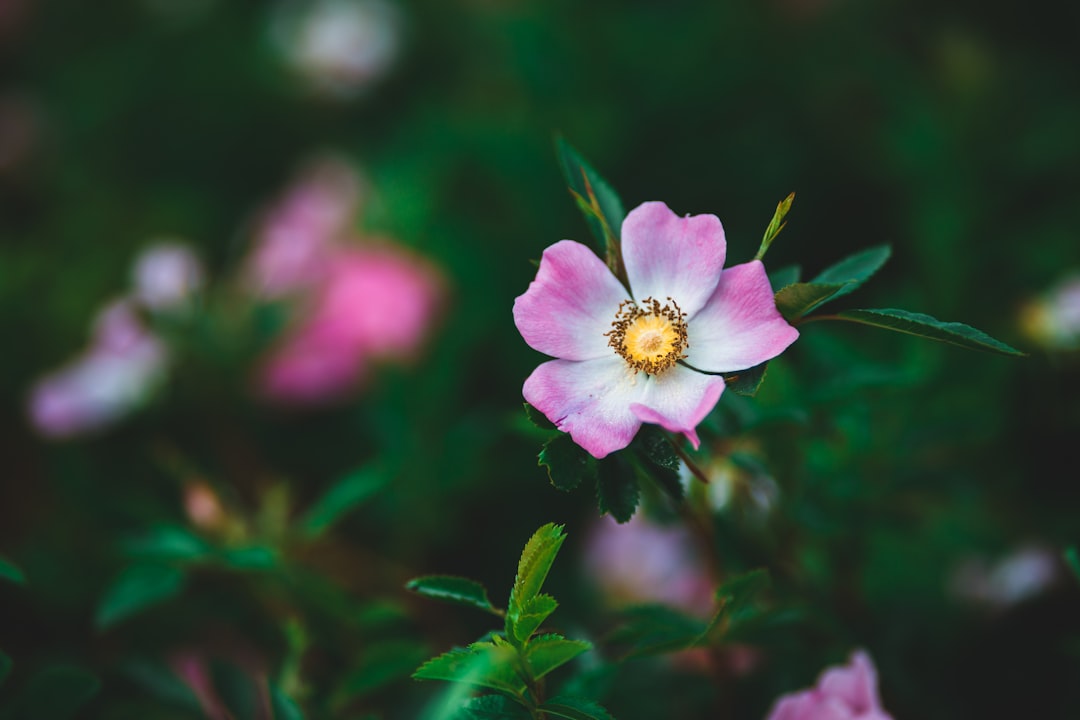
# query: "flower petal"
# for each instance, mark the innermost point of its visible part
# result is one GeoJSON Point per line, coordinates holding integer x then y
{"type": "Point", "coordinates": [570, 305]}
{"type": "Point", "coordinates": [591, 400]}
{"type": "Point", "coordinates": [740, 326]}
{"type": "Point", "coordinates": [855, 683]}
{"type": "Point", "coordinates": [670, 256]}
{"type": "Point", "coordinates": [678, 400]}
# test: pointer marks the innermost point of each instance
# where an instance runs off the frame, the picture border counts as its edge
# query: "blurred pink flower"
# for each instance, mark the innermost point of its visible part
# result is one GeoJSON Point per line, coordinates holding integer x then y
{"type": "Point", "coordinates": [847, 692]}
{"type": "Point", "coordinates": [650, 353]}
{"type": "Point", "coordinates": [298, 235]}
{"type": "Point", "coordinates": [640, 562]}
{"type": "Point", "coordinates": [374, 302]}
{"type": "Point", "coordinates": [115, 375]}
{"type": "Point", "coordinates": [166, 275]}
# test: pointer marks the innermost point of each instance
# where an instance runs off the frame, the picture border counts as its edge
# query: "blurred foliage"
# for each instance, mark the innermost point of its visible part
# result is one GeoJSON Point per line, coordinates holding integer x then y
{"type": "Point", "coordinates": [945, 130]}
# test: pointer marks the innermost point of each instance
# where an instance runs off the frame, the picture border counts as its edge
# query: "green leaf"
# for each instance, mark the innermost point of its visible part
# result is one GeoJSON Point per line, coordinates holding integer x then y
{"type": "Point", "coordinates": [739, 599]}
{"type": "Point", "coordinates": [1072, 559]}
{"type": "Point", "coordinates": [381, 664]}
{"type": "Point", "coordinates": [617, 491]}
{"type": "Point", "coordinates": [575, 708]}
{"type": "Point", "coordinates": [652, 444]}
{"type": "Point", "coordinates": [159, 681]}
{"type": "Point", "coordinates": [481, 664]}
{"type": "Point", "coordinates": [491, 707]}
{"type": "Point", "coordinates": [284, 707]}
{"type": "Point", "coordinates": [548, 652]}
{"type": "Point", "coordinates": [600, 204]}
{"type": "Point", "coordinates": [775, 225]}
{"type": "Point", "coordinates": [538, 418]}
{"type": "Point", "coordinates": [532, 616]}
{"type": "Point", "coordinates": [854, 270]}
{"type": "Point", "coordinates": [787, 275]}
{"type": "Point", "coordinates": [251, 557]}
{"type": "Point", "coordinates": [168, 542]}
{"type": "Point", "coordinates": [794, 301]}
{"type": "Point", "coordinates": [454, 589]}
{"type": "Point", "coordinates": [654, 629]}
{"type": "Point", "coordinates": [135, 589]}
{"type": "Point", "coordinates": [11, 572]}
{"type": "Point", "coordinates": [342, 498]}
{"type": "Point", "coordinates": [534, 565]}
{"type": "Point", "coordinates": [5, 667]}
{"type": "Point", "coordinates": [56, 693]}
{"type": "Point", "coordinates": [567, 463]}
{"type": "Point", "coordinates": [746, 382]}
{"type": "Point", "coordinates": [925, 326]}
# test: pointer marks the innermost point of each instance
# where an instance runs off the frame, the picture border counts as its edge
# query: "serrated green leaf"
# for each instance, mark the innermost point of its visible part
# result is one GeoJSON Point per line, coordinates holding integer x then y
{"type": "Point", "coordinates": [342, 498]}
{"type": "Point", "coordinates": [597, 200]}
{"type": "Point", "coordinates": [534, 565]}
{"type": "Point", "coordinates": [533, 614]}
{"type": "Point", "coordinates": [928, 327]}
{"type": "Point", "coordinates": [56, 693]}
{"type": "Point", "coordinates": [617, 490]}
{"type": "Point", "coordinates": [453, 589]}
{"type": "Point", "coordinates": [652, 443]}
{"type": "Point", "coordinates": [547, 652]}
{"type": "Point", "coordinates": [775, 225]}
{"type": "Point", "coordinates": [11, 572]}
{"type": "Point", "coordinates": [655, 629]}
{"type": "Point", "coordinates": [794, 301]}
{"type": "Point", "coordinates": [738, 599]}
{"type": "Point", "coordinates": [567, 463]}
{"type": "Point", "coordinates": [575, 708]}
{"type": "Point", "coordinates": [491, 707]}
{"type": "Point", "coordinates": [537, 418]}
{"type": "Point", "coordinates": [787, 275]}
{"type": "Point", "coordinates": [854, 270]}
{"type": "Point", "coordinates": [5, 666]}
{"type": "Point", "coordinates": [481, 664]}
{"type": "Point", "coordinates": [135, 589]}
{"type": "Point", "coordinates": [746, 382]}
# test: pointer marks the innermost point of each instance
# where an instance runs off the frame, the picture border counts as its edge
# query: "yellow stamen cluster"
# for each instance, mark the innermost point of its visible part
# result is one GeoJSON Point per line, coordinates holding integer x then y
{"type": "Point", "coordinates": [650, 337]}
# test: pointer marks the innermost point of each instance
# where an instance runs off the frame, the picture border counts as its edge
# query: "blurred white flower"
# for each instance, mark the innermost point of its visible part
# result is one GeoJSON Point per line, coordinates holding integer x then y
{"type": "Point", "coordinates": [1022, 574]}
{"type": "Point", "coordinates": [1053, 320]}
{"type": "Point", "coordinates": [166, 276]}
{"type": "Point", "coordinates": [340, 46]}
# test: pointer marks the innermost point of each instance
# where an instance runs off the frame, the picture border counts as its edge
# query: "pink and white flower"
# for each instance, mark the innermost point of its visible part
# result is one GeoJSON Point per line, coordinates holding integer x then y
{"type": "Point", "coordinates": [652, 352]}
{"type": "Point", "coordinates": [847, 692]}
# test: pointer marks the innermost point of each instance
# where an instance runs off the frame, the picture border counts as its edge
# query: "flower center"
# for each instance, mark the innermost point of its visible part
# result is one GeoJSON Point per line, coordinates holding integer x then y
{"type": "Point", "coordinates": [649, 336]}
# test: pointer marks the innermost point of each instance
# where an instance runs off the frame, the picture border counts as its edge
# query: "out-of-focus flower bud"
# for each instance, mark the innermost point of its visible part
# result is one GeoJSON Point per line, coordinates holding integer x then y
{"type": "Point", "coordinates": [166, 276]}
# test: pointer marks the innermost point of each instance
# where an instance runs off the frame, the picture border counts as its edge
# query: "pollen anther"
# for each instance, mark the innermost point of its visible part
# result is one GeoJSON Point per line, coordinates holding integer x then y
{"type": "Point", "coordinates": [651, 337]}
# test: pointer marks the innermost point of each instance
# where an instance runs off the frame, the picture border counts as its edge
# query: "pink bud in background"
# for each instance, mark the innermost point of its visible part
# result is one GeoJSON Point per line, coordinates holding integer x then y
{"type": "Point", "coordinates": [166, 275]}
{"type": "Point", "coordinates": [640, 562]}
{"type": "Point", "coordinates": [374, 303]}
{"type": "Point", "coordinates": [116, 374]}
{"type": "Point", "coordinates": [847, 692]}
{"type": "Point", "coordinates": [297, 237]}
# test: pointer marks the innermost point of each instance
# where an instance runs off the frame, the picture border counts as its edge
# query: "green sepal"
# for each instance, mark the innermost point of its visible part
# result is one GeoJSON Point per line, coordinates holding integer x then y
{"type": "Point", "coordinates": [491, 707]}
{"type": "Point", "coordinates": [854, 270]}
{"type": "Point", "coordinates": [928, 327]}
{"type": "Point", "coordinates": [746, 382]}
{"type": "Point", "coordinates": [575, 708]}
{"type": "Point", "coordinates": [483, 664]}
{"type": "Point", "coordinates": [532, 616]}
{"type": "Point", "coordinates": [343, 497]}
{"type": "Point", "coordinates": [617, 490]}
{"type": "Point", "coordinates": [538, 418]}
{"type": "Point", "coordinates": [567, 463]}
{"type": "Point", "coordinates": [597, 200]}
{"type": "Point", "coordinates": [547, 652]}
{"type": "Point", "coordinates": [135, 589]}
{"type": "Point", "coordinates": [794, 301]}
{"type": "Point", "coordinates": [453, 589]}
{"type": "Point", "coordinates": [775, 225]}
{"type": "Point", "coordinates": [533, 567]}
{"type": "Point", "coordinates": [11, 572]}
